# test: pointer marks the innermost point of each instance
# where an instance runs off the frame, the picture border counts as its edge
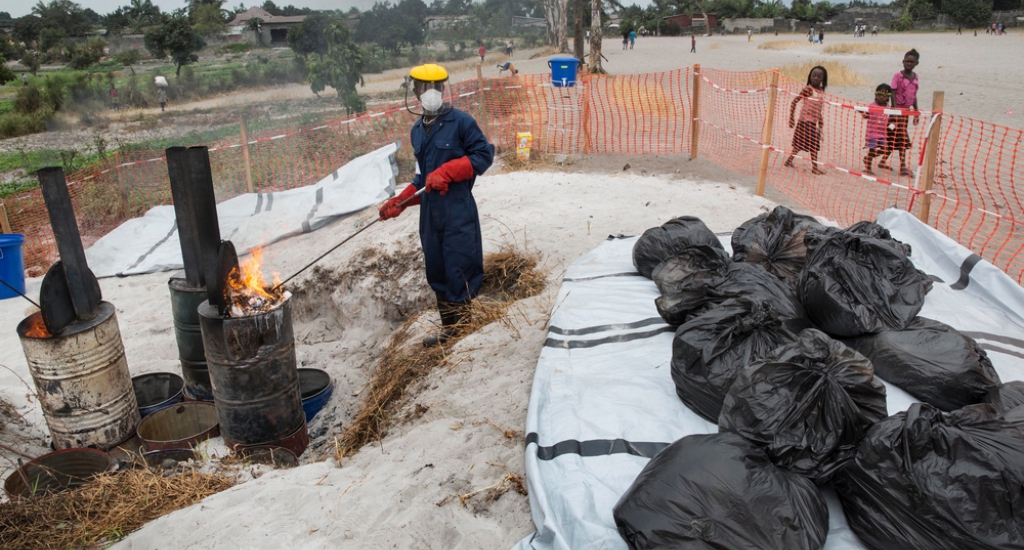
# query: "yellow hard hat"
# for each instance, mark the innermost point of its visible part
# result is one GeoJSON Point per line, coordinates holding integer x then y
{"type": "Point", "coordinates": [429, 73]}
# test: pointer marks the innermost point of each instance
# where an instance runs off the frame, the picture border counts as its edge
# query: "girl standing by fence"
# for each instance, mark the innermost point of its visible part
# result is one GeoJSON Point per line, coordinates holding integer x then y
{"type": "Point", "coordinates": [807, 136]}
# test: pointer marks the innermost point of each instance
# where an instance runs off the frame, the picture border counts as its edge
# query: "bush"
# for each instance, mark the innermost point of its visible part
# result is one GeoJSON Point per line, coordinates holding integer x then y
{"type": "Point", "coordinates": [18, 124]}
{"type": "Point", "coordinates": [973, 13]}
{"type": "Point", "coordinates": [672, 28]}
{"type": "Point", "coordinates": [903, 24]}
{"type": "Point", "coordinates": [28, 100]}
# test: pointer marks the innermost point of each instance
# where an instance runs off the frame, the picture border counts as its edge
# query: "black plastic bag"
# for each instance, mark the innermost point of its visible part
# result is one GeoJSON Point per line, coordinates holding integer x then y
{"type": "Point", "coordinates": [817, 234]}
{"type": "Point", "coordinates": [931, 361]}
{"type": "Point", "coordinates": [658, 244]}
{"type": "Point", "coordinates": [1006, 397]}
{"type": "Point", "coordinates": [710, 350]}
{"type": "Point", "coordinates": [775, 241]}
{"type": "Point", "coordinates": [855, 285]}
{"type": "Point", "coordinates": [808, 404]}
{"type": "Point", "coordinates": [686, 298]}
{"type": "Point", "coordinates": [699, 262]}
{"type": "Point", "coordinates": [938, 481]}
{"type": "Point", "coordinates": [718, 491]}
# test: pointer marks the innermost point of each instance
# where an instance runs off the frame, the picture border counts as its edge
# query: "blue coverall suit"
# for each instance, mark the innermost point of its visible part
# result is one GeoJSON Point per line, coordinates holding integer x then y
{"type": "Point", "coordinates": [450, 225]}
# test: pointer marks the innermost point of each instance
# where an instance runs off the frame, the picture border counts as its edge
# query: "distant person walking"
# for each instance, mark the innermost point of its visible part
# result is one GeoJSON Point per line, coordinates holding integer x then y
{"type": "Point", "coordinates": [959, 29]}
{"type": "Point", "coordinates": [161, 98]}
{"type": "Point", "coordinates": [750, 35]}
{"type": "Point", "coordinates": [874, 30]}
{"type": "Point", "coordinates": [24, 79]}
{"type": "Point", "coordinates": [693, 43]}
{"type": "Point", "coordinates": [508, 49]}
{"type": "Point", "coordinates": [810, 35]}
{"type": "Point", "coordinates": [625, 39]}
{"type": "Point", "coordinates": [481, 51]}
{"type": "Point", "coordinates": [904, 96]}
{"type": "Point", "coordinates": [807, 135]}
{"type": "Point", "coordinates": [632, 39]}
{"type": "Point", "coordinates": [114, 104]}
{"type": "Point", "coordinates": [821, 35]}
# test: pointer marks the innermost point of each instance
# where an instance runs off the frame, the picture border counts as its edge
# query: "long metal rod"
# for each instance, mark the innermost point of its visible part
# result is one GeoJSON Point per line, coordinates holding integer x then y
{"type": "Point", "coordinates": [22, 295]}
{"type": "Point", "coordinates": [337, 246]}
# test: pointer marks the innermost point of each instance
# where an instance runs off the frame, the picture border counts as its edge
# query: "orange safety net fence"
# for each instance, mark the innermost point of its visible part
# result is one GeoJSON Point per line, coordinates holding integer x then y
{"type": "Point", "coordinates": [973, 199]}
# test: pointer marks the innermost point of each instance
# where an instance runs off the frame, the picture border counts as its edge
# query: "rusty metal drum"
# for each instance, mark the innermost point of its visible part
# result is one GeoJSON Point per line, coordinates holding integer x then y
{"type": "Point", "coordinates": [253, 375]}
{"type": "Point", "coordinates": [82, 379]}
{"type": "Point", "coordinates": [185, 302]}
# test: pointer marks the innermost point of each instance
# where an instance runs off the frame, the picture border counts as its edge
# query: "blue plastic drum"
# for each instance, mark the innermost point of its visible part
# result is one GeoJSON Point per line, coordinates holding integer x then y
{"type": "Point", "coordinates": [563, 71]}
{"type": "Point", "coordinates": [12, 265]}
{"type": "Point", "coordinates": [316, 387]}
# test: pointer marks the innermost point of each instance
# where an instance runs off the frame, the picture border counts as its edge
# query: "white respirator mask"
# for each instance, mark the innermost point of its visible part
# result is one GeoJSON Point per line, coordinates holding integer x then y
{"type": "Point", "coordinates": [432, 100]}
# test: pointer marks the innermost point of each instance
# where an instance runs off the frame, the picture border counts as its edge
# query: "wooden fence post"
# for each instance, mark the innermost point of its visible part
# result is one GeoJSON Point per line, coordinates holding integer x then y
{"type": "Point", "coordinates": [766, 136]}
{"type": "Point", "coordinates": [695, 112]}
{"type": "Point", "coordinates": [5, 224]}
{"type": "Point", "coordinates": [485, 119]}
{"type": "Point", "coordinates": [930, 152]}
{"type": "Point", "coordinates": [121, 185]}
{"type": "Point", "coordinates": [245, 155]}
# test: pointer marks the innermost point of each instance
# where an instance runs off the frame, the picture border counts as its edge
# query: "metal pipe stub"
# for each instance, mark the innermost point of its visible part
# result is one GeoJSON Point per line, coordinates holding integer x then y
{"type": "Point", "coordinates": [255, 381]}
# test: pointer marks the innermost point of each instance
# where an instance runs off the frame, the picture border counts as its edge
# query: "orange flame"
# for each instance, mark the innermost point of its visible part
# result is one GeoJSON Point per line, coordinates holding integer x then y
{"type": "Point", "coordinates": [248, 291]}
{"type": "Point", "coordinates": [36, 328]}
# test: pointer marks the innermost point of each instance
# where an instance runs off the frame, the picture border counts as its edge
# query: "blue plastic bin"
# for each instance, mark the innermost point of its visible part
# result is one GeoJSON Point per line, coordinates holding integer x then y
{"type": "Point", "coordinates": [12, 265]}
{"type": "Point", "coordinates": [563, 71]}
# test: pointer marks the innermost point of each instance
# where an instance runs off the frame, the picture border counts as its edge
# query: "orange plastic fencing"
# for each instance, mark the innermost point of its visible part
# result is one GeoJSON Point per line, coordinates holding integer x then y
{"type": "Point", "coordinates": [973, 198]}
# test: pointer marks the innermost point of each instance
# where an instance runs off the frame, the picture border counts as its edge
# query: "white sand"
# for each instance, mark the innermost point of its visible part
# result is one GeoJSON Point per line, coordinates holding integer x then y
{"type": "Point", "coordinates": [399, 493]}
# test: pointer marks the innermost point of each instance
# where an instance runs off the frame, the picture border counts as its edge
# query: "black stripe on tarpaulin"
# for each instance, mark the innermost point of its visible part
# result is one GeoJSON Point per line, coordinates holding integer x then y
{"type": "Point", "coordinates": [259, 204]}
{"type": "Point", "coordinates": [989, 347]}
{"type": "Point", "coordinates": [619, 236]}
{"type": "Point", "coordinates": [578, 344]}
{"type": "Point", "coordinates": [1015, 342]}
{"type": "Point", "coordinates": [270, 202]}
{"type": "Point", "coordinates": [602, 328]}
{"type": "Point", "coordinates": [174, 227]}
{"type": "Point", "coordinates": [965, 272]}
{"type": "Point", "coordinates": [595, 447]}
{"type": "Point", "coordinates": [577, 279]}
{"type": "Point", "coordinates": [312, 212]}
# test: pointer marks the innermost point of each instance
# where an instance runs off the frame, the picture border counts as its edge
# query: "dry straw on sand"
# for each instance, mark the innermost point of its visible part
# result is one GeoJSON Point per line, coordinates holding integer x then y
{"type": "Point", "coordinates": [102, 511]}
{"type": "Point", "coordinates": [508, 276]}
{"type": "Point", "coordinates": [839, 74]}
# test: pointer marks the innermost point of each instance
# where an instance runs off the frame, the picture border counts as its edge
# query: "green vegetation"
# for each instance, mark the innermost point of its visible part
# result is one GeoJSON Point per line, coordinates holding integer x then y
{"type": "Point", "coordinates": [175, 38]}
{"type": "Point", "coordinates": [341, 69]}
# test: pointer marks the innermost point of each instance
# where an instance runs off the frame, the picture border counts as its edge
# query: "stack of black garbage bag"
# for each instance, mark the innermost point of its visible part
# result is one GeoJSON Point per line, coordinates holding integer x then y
{"type": "Point", "coordinates": [779, 345]}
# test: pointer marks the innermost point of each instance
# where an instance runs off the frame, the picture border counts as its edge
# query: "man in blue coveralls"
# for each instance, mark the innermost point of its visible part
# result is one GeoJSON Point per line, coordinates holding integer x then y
{"type": "Point", "coordinates": [451, 152]}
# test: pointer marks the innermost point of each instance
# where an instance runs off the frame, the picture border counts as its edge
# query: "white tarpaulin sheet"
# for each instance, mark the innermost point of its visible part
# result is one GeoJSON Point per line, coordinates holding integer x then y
{"type": "Point", "coordinates": [150, 243]}
{"type": "Point", "coordinates": [603, 401]}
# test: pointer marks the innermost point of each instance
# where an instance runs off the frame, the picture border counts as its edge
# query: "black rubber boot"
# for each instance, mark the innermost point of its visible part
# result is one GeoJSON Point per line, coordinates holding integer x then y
{"type": "Point", "coordinates": [453, 316]}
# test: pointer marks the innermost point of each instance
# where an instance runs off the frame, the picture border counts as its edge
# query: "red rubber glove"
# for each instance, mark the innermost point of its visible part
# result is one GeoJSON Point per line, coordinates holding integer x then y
{"type": "Point", "coordinates": [459, 169]}
{"type": "Point", "coordinates": [392, 208]}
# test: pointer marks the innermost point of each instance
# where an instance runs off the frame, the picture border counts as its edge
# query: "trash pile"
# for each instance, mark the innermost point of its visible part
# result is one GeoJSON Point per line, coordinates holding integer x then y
{"type": "Point", "coordinates": [780, 345]}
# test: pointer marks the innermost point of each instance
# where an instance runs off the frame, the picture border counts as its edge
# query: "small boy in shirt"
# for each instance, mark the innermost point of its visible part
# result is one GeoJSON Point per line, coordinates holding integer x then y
{"type": "Point", "coordinates": [876, 137]}
{"type": "Point", "coordinates": [904, 96]}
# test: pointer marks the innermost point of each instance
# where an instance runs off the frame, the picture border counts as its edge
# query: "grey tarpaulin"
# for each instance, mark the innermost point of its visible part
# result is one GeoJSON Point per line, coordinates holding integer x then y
{"type": "Point", "coordinates": [150, 243]}
{"type": "Point", "coordinates": [603, 401]}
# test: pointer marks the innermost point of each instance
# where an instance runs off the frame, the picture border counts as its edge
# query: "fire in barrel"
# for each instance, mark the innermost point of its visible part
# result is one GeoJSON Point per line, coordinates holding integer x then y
{"type": "Point", "coordinates": [250, 352]}
{"type": "Point", "coordinates": [73, 344]}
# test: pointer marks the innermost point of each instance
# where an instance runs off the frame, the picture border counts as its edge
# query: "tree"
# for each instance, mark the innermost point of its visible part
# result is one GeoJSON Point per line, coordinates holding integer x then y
{"type": "Point", "coordinates": [27, 29]}
{"type": "Point", "coordinates": [208, 19]}
{"type": "Point", "coordinates": [81, 57]}
{"type": "Point", "coordinates": [595, 40]}
{"type": "Point", "coordinates": [6, 74]}
{"type": "Point", "coordinates": [271, 8]}
{"type": "Point", "coordinates": [973, 13]}
{"type": "Point", "coordinates": [31, 61]}
{"type": "Point", "coordinates": [175, 38]}
{"type": "Point", "coordinates": [341, 69]}
{"type": "Point", "coordinates": [556, 20]}
{"type": "Point", "coordinates": [310, 36]}
{"type": "Point", "coordinates": [127, 58]}
{"type": "Point", "coordinates": [65, 15]}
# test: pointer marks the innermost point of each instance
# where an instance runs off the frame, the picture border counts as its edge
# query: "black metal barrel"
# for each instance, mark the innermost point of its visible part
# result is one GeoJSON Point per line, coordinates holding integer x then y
{"type": "Point", "coordinates": [185, 302]}
{"type": "Point", "coordinates": [255, 380]}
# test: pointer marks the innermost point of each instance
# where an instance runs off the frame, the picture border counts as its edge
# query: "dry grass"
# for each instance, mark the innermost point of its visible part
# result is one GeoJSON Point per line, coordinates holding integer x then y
{"type": "Point", "coordinates": [782, 44]}
{"type": "Point", "coordinates": [102, 511]}
{"type": "Point", "coordinates": [493, 492]}
{"type": "Point", "coordinates": [715, 47]}
{"type": "Point", "coordinates": [839, 74]}
{"type": "Point", "coordinates": [863, 48]}
{"type": "Point", "coordinates": [508, 276]}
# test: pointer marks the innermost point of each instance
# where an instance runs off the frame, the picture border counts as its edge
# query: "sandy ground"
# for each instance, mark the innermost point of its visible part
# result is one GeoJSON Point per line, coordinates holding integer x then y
{"type": "Point", "coordinates": [399, 493]}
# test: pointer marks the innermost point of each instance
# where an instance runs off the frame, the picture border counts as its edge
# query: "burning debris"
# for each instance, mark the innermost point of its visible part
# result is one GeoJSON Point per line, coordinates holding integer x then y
{"type": "Point", "coordinates": [248, 293]}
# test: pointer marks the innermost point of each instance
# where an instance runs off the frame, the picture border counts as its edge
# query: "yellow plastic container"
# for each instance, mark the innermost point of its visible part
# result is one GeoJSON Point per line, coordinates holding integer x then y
{"type": "Point", "coordinates": [524, 141]}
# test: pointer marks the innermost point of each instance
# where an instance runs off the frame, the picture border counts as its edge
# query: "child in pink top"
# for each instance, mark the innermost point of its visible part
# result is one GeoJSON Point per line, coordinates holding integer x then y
{"type": "Point", "coordinates": [807, 135]}
{"type": "Point", "coordinates": [904, 96]}
{"type": "Point", "coordinates": [875, 139]}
